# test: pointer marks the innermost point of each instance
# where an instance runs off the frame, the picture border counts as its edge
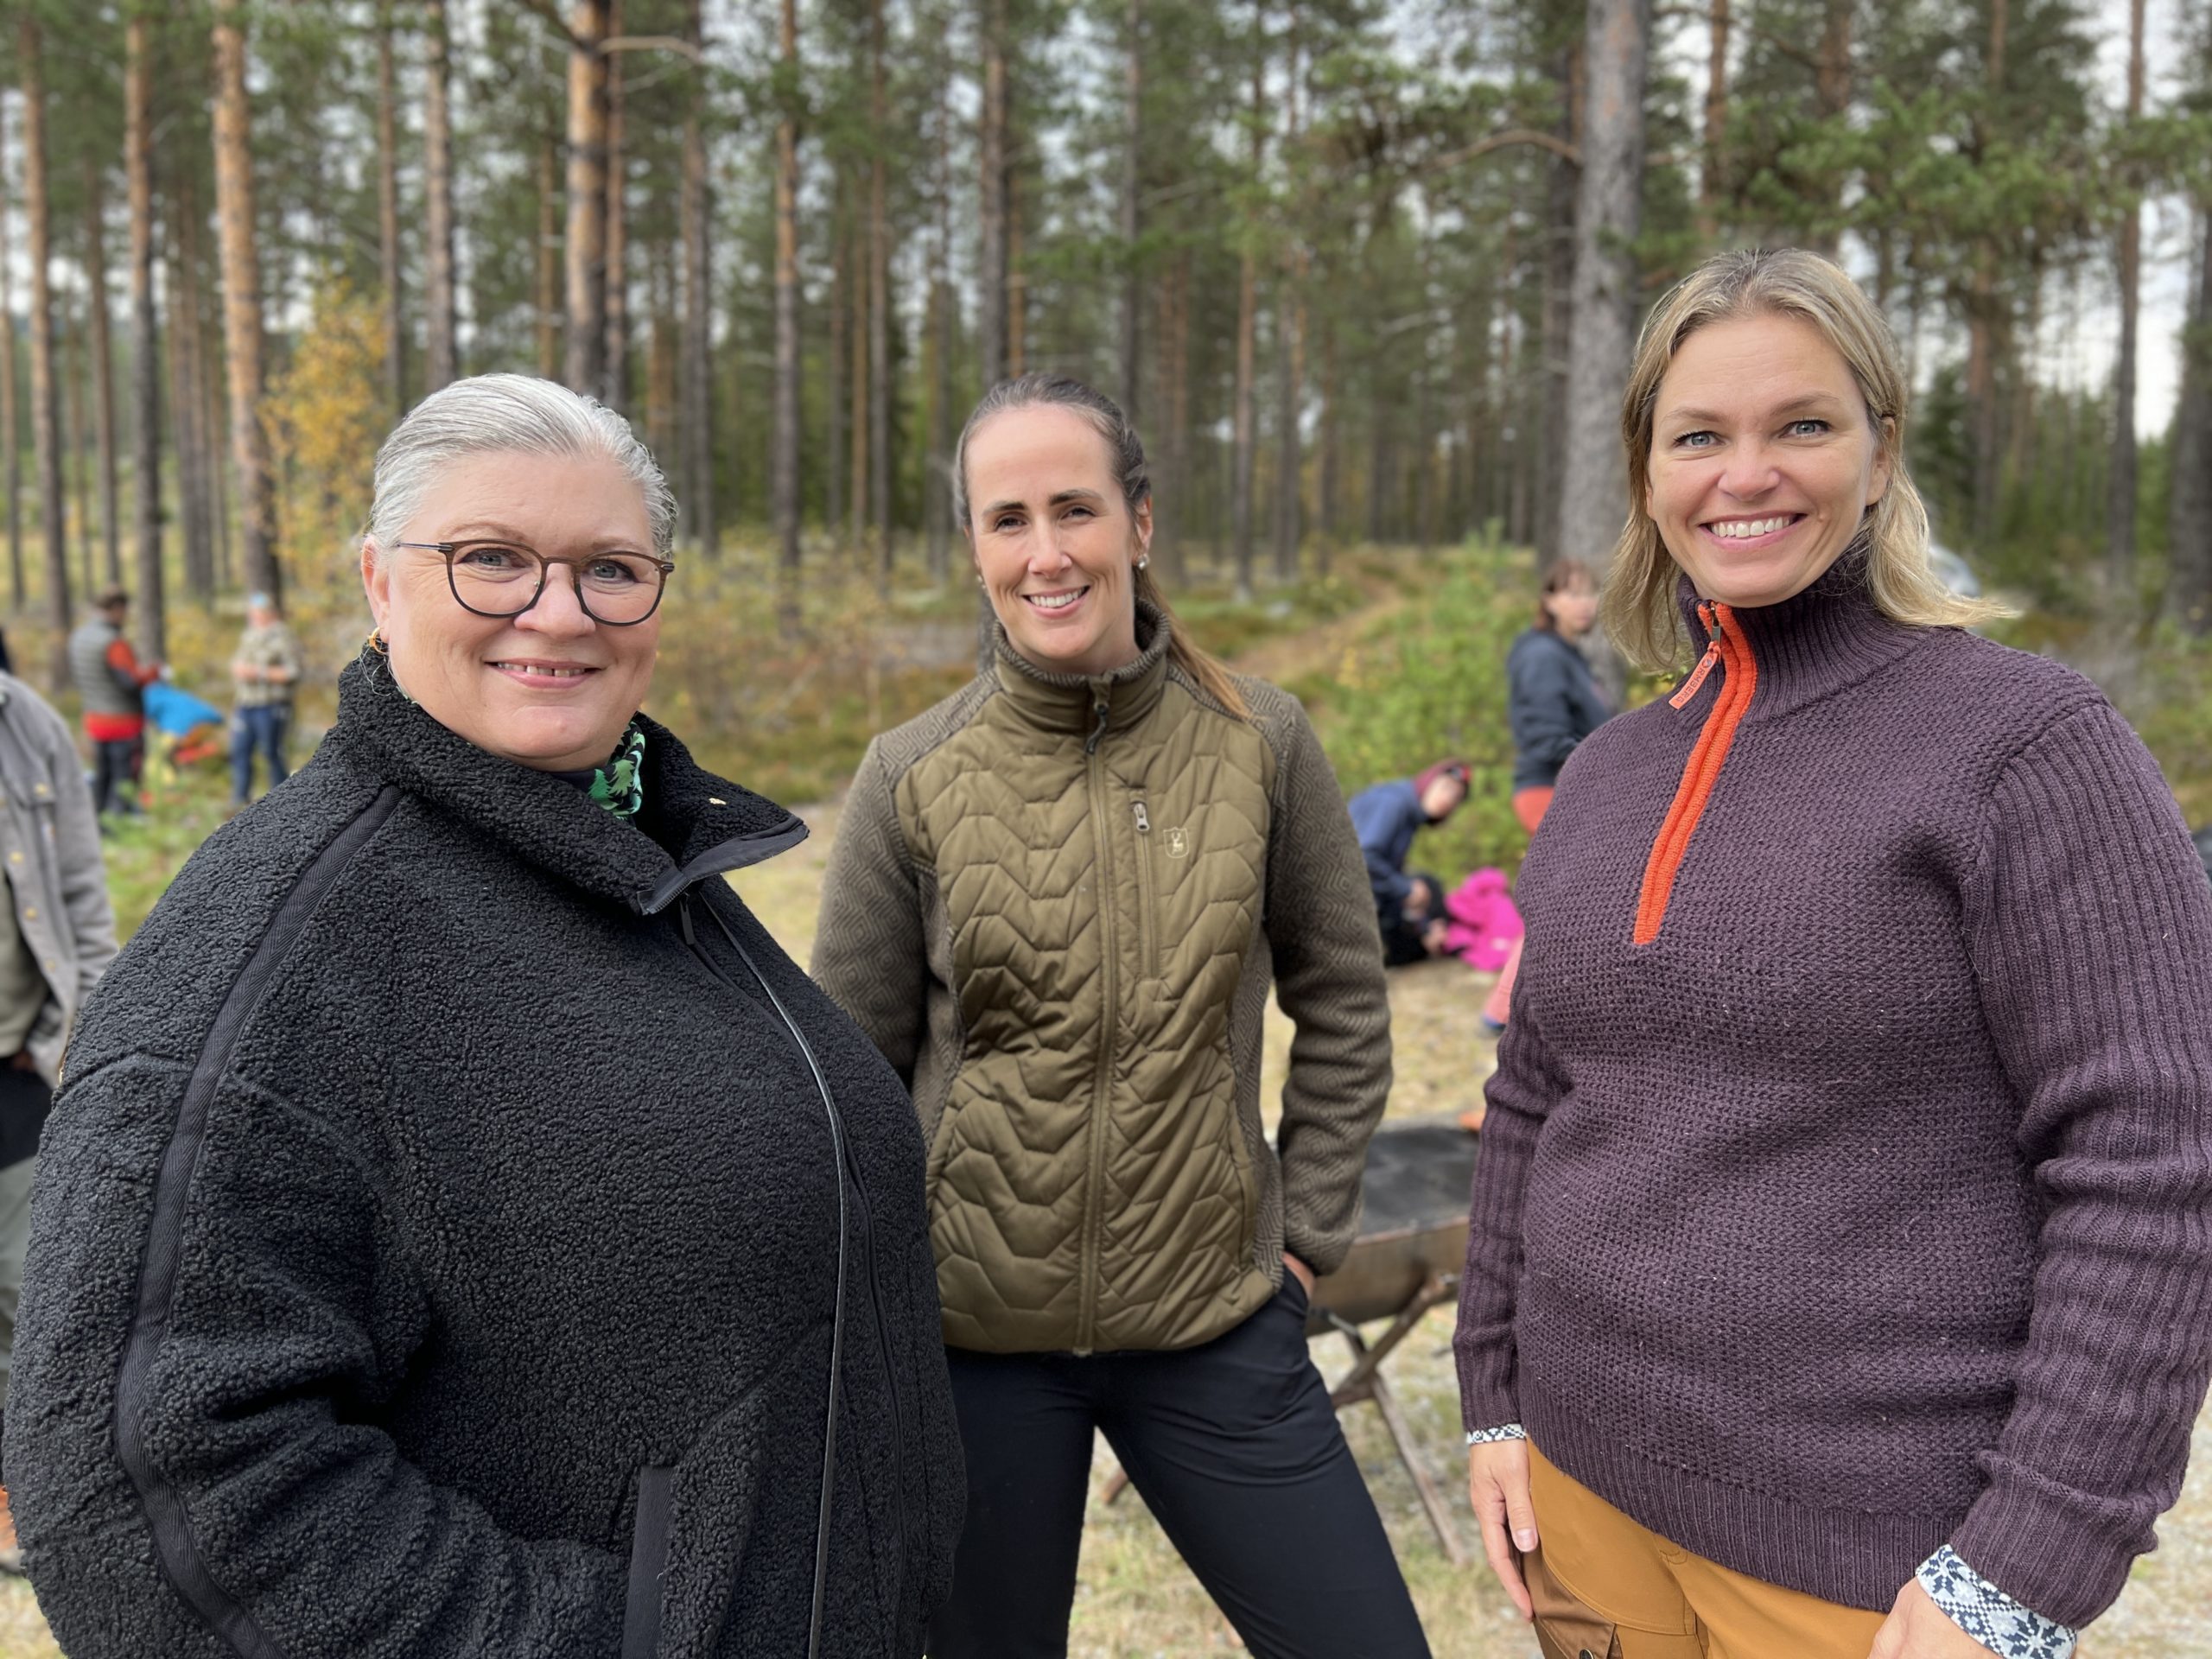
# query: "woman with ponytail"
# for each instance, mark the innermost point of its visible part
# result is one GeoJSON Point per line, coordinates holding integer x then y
{"type": "Point", "coordinates": [1056, 903]}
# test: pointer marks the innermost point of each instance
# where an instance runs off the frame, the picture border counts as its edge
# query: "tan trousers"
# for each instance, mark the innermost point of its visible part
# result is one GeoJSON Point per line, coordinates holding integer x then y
{"type": "Point", "coordinates": [1607, 1588]}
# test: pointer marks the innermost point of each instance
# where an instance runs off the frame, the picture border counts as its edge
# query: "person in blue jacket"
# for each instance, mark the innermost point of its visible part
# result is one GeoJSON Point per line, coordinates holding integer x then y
{"type": "Point", "coordinates": [1386, 817]}
{"type": "Point", "coordinates": [1553, 702]}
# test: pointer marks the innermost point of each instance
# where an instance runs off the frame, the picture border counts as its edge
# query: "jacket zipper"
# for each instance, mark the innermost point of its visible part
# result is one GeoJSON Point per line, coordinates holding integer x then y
{"type": "Point", "coordinates": [846, 1165]}
{"type": "Point", "coordinates": [1109, 1023]}
{"type": "Point", "coordinates": [1147, 900]}
{"type": "Point", "coordinates": [1729, 651]}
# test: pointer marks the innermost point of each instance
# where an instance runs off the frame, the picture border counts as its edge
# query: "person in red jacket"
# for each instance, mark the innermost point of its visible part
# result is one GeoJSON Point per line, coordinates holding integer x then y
{"type": "Point", "coordinates": [112, 682]}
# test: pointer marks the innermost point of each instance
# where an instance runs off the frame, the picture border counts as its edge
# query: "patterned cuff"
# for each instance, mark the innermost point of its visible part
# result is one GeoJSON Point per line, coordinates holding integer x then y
{"type": "Point", "coordinates": [1988, 1614]}
{"type": "Point", "coordinates": [1502, 1432]}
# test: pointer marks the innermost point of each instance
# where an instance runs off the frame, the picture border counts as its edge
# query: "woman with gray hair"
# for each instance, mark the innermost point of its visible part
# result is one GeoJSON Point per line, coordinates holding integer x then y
{"type": "Point", "coordinates": [463, 1230]}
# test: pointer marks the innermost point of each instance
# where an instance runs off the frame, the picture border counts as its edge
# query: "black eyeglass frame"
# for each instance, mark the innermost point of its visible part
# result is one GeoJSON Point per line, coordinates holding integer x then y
{"type": "Point", "coordinates": [665, 567]}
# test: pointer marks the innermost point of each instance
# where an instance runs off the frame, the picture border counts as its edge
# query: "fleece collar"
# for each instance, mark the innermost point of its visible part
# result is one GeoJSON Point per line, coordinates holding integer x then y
{"type": "Point", "coordinates": [715, 826]}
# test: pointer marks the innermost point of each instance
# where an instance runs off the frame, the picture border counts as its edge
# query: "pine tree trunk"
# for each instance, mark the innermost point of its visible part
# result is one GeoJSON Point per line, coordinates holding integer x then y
{"type": "Point", "coordinates": [841, 348]}
{"type": "Point", "coordinates": [1608, 213]}
{"type": "Point", "coordinates": [1712, 169]}
{"type": "Point", "coordinates": [991, 272]}
{"type": "Point", "coordinates": [584, 361]}
{"type": "Point", "coordinates": [550, 315]}
{"type": "Point", "coordinates": [1172, 511]}
{"type": "Point", "coordinates": [440, 359]}
{"type": "Point", "coordinates": [188, 395]}
{"type": "Point", "coordinates": [1832, 87]}
{"type": "Point", "coordinates": [242, 338]}
{"type": "Point", "coordinates": [151, 610]}
{"type": "Point", "coordinates": [2189, 503]}
{"type": "Point", "coordinates": [2120, 530]}
{"type": "Point", "coordinates": [1982, 320]}
{"type": "Point", "coordinates": [1017, 281]}
{"type": "Point", "coordinates": [697, 366]}
{"type": "Point", "coordinates": [1290, 360]}
{"type": "Point", "coordinates": [856, 335]}
{"type": "Point", "coordinates": [394, 317]}
{"type": "Point", "coordinates": [1331, 464]}
{"type": "Point", "coordinates": [784, 467]}
{"type": "Point", "coordinates": [11, 414]}
{"type": "Point", "coordinates": [46, 412]}
{"type": "Point", "coordinates": [878, 296]}
{"type": "Point", "coordinates": [615, 374]}
{"type": "Point", "coordinates": [936, 492]}
{"type": "Point", "coordinates": [76, 393]}
{"type": "Point", "coordinates": [103, 367]}
{"type": "Point", "coordinates": [1556, 310]}
{"type": "Point", "coordinates": [1132, 197]}
{"type": "Point", "coordinates": [1248, 314]}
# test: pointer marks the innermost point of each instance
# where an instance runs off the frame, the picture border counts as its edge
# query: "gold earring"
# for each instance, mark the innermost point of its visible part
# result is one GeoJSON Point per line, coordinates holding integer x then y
{"type": "Point", "coordinates": [376, 641]}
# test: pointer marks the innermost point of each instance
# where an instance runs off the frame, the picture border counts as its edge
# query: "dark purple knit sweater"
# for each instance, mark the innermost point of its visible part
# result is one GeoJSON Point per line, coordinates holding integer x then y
{"type": "Point", "coordinates": [1869, 1206]}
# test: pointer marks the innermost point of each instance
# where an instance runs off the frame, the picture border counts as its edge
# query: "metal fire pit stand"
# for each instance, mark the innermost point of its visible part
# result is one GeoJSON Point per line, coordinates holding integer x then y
{"type": "Point", "coordinates": [1365, 1382]}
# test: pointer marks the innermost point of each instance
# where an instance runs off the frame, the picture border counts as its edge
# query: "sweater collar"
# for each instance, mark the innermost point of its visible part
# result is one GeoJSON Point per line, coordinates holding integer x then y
{"type": "Point", "coordinates": [1828, 638]}
{"type": "Point", "coordinates": [712, 826]}
{"type": "Point", "coordinates": [1076, 703]}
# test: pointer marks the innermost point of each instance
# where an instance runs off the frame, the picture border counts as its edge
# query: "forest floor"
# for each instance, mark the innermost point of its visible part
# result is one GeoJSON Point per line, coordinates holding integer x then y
{"type": "Point", "coordinates": [1136, 1599]}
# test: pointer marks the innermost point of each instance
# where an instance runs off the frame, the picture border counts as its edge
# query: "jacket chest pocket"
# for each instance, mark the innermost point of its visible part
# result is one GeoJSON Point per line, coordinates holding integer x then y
{"type": "Point", "coordinates": [1148, 919]}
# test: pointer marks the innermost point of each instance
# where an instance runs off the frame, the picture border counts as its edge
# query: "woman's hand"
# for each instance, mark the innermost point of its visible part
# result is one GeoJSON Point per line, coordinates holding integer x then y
{"type": "Point", "coordinates": [1304, 1274]}
{"type": "Point", "coordinates": [1497, 1488]}
{"type": "Point", "coordinates": [1917, 1628]}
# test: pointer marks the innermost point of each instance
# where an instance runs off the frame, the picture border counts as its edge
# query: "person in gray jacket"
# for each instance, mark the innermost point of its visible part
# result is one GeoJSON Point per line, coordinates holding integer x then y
{"type": "Point", "coordinates": [57, 936]}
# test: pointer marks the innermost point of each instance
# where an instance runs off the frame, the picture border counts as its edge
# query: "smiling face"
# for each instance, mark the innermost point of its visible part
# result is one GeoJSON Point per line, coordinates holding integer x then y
{"type": "Point", "coordinates": [1055, 544]}
{"type": "Point", "coordinates": [1764, 459]}
{"type": "Point", "coordinates": [551, 688]}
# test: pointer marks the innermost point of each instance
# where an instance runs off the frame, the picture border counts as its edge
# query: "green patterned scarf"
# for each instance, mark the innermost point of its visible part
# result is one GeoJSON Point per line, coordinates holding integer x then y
{"type": "Point", "coordinates": [619, 786]}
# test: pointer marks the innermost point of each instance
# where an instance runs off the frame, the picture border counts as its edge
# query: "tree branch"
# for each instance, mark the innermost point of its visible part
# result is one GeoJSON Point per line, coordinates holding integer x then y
{"type": "Point", "coordinates": [675, 43]}
{"type": "Point", "coordinates": [1553, 142]}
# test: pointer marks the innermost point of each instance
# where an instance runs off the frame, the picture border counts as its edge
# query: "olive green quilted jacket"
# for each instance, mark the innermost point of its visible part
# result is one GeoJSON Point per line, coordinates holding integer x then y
{"type": "Point", "coordinates": [1055, 904]}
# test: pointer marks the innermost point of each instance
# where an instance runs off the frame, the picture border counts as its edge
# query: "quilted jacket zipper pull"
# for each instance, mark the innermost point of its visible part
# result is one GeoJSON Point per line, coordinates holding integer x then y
{"type": "Point", "coordinates": [1705, 663]}
{"type": "Point", "coordinates": [1143, 818]}
{"type": "Point", "coordinates": [1098, 733]}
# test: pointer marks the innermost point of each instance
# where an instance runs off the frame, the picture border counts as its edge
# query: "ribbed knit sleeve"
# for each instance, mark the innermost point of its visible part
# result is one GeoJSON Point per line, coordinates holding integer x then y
{"type": "Point", "coordinates": [2090, 927]}
{"type": "Point", "coordinates": [1328, 965]}
{"type": "Point", "coordinates": [1521, 1095]}
{"type": "Point", "coordinates": [869, 953]}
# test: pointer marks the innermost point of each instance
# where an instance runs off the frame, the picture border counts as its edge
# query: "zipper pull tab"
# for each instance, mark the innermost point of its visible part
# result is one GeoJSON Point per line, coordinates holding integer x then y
{"type": "Point", "coordinates": [1143, 818]}
{"type": "Point", "coordinates": [1704, 666]}
{"type": "Point", "coordinates": [1098, 733]}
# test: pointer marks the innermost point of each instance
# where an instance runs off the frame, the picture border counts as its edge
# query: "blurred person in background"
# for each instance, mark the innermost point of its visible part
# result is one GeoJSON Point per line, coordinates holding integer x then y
{"type": "Point", "coordinates": [266, 667]}
{"type": "Point", "coordinates": [113, 683]}
{"type": "Point", "coordinates": [1386, 816]}
{"type": "Point", "coordinates": [1552, 703]}
{"type": "Point", "coordinates": [57, 936]}
{"type": "Point", "coordinates": [463, 1230]}
{"type": "Point", "coordinates": [1055, 903]}
{"type": "Point", "coordinates": [1839, 1277]}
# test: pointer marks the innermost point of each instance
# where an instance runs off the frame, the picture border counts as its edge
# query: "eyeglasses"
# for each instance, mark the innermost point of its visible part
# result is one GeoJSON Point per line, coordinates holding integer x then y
{"type": "Point", "coordinates": [505, 579]}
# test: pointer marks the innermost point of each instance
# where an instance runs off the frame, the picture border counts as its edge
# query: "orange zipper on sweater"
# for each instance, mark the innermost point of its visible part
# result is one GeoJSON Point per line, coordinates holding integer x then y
{"type": "Point", "coordinates": [1740, 674]}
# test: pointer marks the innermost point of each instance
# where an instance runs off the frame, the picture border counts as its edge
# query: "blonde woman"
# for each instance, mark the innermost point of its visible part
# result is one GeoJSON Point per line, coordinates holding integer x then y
{"type": "Point", "coordinates": [1839, 1279]}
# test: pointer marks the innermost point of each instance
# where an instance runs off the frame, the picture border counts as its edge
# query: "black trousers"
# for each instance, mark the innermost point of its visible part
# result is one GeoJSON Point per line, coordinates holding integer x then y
{"type": "Point", "coordinates": [1402, 934]}
{"type": "Point", "coordinates": [116, 763]}
{"type": "Point", "coordinates": [1236, 1450]}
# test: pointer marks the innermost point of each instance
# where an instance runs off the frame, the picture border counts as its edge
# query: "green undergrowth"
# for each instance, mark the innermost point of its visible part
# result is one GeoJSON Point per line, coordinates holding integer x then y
{"type": "Point", "coordinates": [1427, 683]}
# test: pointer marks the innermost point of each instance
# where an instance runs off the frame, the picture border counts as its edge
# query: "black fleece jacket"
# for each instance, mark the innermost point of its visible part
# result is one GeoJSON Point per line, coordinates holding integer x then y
{"type": "Point", "coordinates": [436, 1240]}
